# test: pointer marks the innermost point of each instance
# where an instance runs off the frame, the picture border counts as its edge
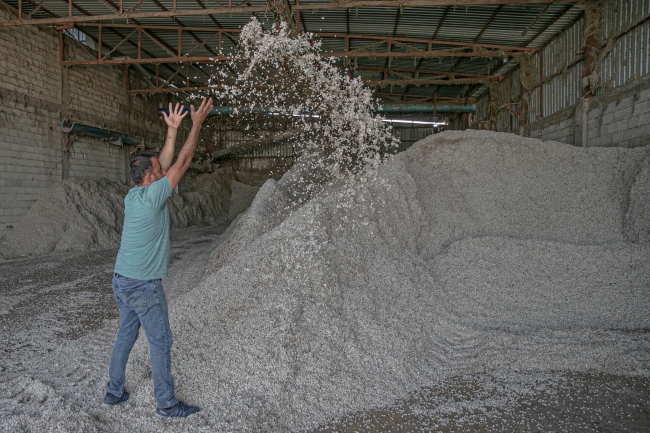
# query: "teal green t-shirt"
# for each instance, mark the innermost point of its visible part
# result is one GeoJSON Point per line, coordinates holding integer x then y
{"type": "Point", "coordinates": [144, 251]}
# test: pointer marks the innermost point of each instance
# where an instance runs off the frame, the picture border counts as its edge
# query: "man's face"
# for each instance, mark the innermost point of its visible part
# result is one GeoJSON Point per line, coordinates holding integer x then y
{"type": "Point", "coordinates": [158, 172]}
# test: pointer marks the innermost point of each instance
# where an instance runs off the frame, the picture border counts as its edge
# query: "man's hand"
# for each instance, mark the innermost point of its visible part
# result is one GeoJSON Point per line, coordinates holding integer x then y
{"type": "Point", "coordinates": [173, 121]}
{"type": "Point", "coordinates": [199, 115]}
{"type": "Point", "coordinates": [174, 118]}
{"type": "Point", "coordinates": [176, 171]}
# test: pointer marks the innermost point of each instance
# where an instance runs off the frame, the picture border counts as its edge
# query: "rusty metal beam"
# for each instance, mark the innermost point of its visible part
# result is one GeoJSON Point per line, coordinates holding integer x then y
{"type": "Point", "coordinates": [428, 72]}
{"type": "Point", "coordinates": [433, 38]}
{"type": "Point", "coordinates": [168, 90]}
{"type": "Point", "coordinates": [153, 60]}
{"type": "Point", "coordinates": [476, 38]}
{"type": "Point", "coordinates": [560, 15]}
{"type": "Point", "coordinates": [322, 35]}
{"type": "Point", "coordinates": [427, 81]}
{"type": "Point", "coordinates": [254, 9]}
{"type": "Point", "coordinates": [83, 11]}
{"type": "Point", "coordinates": [389, 43]}
{"type": "Point", "coordinates": [196, 38]}
{"type": "Point", "coordinates": [422, 99]}
{"type": "Point", "coordinates": [212, 59]}
{"type": "Point", "coordinates": [191, 33]}
{"type": "Point", "coordinates": [424, 54]}
{"type": "Point", "coordinates": [217, 23]}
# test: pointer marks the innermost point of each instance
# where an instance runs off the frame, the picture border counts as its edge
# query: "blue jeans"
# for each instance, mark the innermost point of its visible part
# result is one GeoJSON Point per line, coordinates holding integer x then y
{"type": "Point", "coordinates": [142, 303]}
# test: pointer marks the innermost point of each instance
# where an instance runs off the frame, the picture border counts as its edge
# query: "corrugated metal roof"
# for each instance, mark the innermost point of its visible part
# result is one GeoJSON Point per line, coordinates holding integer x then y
{"type": "Point", "coordinates": [529, 25]}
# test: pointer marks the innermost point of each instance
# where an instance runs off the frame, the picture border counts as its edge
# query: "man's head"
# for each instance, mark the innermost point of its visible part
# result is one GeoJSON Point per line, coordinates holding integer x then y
{"type": "Point", "coordinates": [146, 169]}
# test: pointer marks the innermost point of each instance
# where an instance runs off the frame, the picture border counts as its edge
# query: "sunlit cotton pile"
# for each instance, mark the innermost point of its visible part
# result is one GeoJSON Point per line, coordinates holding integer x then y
{"type": "Point", "coordinates": [470, 252]}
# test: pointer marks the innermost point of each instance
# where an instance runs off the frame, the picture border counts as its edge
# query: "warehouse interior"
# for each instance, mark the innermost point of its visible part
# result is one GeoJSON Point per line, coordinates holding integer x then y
{"type": "Point", "coordinates": [402, 215]}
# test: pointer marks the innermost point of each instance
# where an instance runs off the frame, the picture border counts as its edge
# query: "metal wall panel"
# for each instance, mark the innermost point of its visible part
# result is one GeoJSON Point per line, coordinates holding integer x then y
{"type": "Point", "coordinates": [509, 90]}
{"type": "Point", "coordinates": [409, 135]}
{"type": "Point", "coordinates": [630, 51]}
{"type": "Point", "coordinates": [563, 90]}
{"type": "Point", "coordinates": [483, 108]}
{"type": "Point", "coordinates": [562, 69]}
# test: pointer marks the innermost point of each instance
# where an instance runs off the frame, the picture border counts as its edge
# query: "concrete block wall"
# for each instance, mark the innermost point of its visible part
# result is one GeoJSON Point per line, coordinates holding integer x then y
{"type": "Point", "coordinates": [29, 104]}
{"type": "Point", "coordinates": [36, 93]}
{"type": "Point", "coordinates": [91, 159]}
{"type": "Point", "coordinates": [559, 127]}
{"type": "Point", "coordinates": [618, 117]}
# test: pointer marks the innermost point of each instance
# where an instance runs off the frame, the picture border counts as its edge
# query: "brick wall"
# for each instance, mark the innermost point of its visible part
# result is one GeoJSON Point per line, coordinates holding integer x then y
{"type": "Point", "coordinates": [619, 117]}
{"type": "Point", "coordinates": [36, 93]}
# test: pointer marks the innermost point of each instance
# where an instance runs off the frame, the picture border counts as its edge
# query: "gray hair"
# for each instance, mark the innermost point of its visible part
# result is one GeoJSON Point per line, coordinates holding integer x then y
{"type": "Point", "coordinates": [140, 166]}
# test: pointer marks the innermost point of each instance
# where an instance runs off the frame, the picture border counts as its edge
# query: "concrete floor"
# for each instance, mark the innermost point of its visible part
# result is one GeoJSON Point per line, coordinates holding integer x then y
{"type": "Point", "coordinates": [560, 402]}
{"type": "Point", "coordinates": [49, 300]}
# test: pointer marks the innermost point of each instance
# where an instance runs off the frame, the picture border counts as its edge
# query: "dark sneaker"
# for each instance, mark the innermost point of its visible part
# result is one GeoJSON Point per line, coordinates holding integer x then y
{"type": "Point", "coordinates": [110, 400]}
{"type": "Point", "coordinates": [180, 409]}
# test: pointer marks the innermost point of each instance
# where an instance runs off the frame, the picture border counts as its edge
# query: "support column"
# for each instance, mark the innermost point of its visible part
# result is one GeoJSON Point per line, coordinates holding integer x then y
{"type": "Point", "coordinates": [282, 12]}
{"type": "Point", "coordinates": [127, 165]}
{"type": "Point", "coordinates": [590, 71]}
{"type": "Point", "coordinates": [465, 121]}
{"type": "Point", "coordinates": [527, 79]}
{"type": "Point", "coordinates": [64, 113]}
{"type": "Point", "coordinates": [493, 105]}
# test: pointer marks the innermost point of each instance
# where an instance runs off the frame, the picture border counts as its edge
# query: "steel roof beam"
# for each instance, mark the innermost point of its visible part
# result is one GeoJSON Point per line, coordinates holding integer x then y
{"type": "Point", "coordinates": [162, 44]}
{"type": "Point", "coordinates": [386, 39]}
{"type": "Point", "coordinates": [560, 15]}
{"type": "Point", "coordinates": [254, 9]}
{"type": "Point", "coordinates": [427, 72]}
{"type": "Point", "coordinates": [196, 38]}
{"type": "Point", "coordinates": [213, 59]}
{"type": "Point", "coordinates": [435, 33]}
{"type": "Point", "coordinates": [217, 23]}
{"type": "Point", "coordinates": [389, 43]}
{"type": "Point", "coordinates": [428, 81]}
{"type": "Point", "coordinates": [425, 54]}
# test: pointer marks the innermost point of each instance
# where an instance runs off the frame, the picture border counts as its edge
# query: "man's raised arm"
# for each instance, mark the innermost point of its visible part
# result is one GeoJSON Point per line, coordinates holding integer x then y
{"type": "Point", "coordinates": [173, 121]}
{"type": "Point", "coordinates": [176, 171]}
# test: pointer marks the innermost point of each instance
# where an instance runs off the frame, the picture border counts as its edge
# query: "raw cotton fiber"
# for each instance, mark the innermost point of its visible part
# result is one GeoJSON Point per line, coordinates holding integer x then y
{"type": "Point", "coordinates": [73, 214]}
{"type": "Point", "coordinates": [82, 214]}
{"type": "Point", "coordinates": [471, 252]}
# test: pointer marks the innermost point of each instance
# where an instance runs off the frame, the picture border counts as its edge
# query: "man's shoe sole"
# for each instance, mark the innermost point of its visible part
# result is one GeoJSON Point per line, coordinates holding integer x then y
{"type": "Point", "coordinates": [106, 406]}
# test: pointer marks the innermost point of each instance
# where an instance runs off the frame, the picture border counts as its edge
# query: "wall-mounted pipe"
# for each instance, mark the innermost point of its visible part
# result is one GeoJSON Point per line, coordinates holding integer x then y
{"type": "Point", "coordinates": [91, 131]}
{"type": "Point", "coordinates": [411, 109]}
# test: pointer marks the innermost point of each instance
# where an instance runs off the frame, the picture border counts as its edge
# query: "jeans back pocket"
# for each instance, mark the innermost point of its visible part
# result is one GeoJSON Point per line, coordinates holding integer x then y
{"type": "Point", "coordinates": [131, 293]}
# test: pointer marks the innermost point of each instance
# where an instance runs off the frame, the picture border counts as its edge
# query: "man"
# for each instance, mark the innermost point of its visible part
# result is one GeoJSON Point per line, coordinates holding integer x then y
{"type": "Point", "coordinates": [143, 259]}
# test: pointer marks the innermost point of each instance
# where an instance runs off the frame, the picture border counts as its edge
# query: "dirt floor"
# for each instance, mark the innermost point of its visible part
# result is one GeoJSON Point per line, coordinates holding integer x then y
{"type": "Point", "coordinates": [50, 300]}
